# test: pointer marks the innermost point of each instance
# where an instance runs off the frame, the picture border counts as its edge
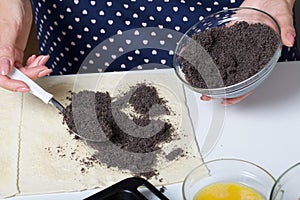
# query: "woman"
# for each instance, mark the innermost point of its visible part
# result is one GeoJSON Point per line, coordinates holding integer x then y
{"type": "Point", "coordinates": [69, 30]}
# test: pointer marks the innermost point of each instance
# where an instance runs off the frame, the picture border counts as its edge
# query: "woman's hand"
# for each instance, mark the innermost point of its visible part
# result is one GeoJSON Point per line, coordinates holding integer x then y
{"type": "Point", "coordinates": [15, 24]}
{"type": "Point", "coordinates": [34, 68]}
{"type": "Point", "coordinates": [228, 101]}
{"type": "Point", "coordinates": [282, 11]}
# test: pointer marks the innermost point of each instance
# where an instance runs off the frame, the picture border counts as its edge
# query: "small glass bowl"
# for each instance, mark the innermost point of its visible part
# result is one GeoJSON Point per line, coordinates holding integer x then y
{"type": "Point", "coordinates": [225, 18]}
{"type": "Point", "coordinates": [287, 185]}
{"type": "Point", "coordinates": [228, 171]}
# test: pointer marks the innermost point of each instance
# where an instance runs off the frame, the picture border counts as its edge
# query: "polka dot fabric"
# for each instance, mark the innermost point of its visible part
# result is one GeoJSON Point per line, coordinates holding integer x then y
{"type": "Point", "coordinates": [69, 30]}
{"type": "Point", "coordinates": [111, 35]}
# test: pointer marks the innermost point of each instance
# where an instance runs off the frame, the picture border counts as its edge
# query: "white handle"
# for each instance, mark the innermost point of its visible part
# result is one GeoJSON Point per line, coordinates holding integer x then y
{"type": "Point", "coordinates": [35, 89]}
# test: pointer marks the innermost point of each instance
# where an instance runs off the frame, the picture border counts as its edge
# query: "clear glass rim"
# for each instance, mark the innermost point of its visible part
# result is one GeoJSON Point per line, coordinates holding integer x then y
{"type": "Point", "coordinates": [223, 90]}
{"type": "Point", "coordinates": [272, 195]}
{"type": "Point", "coordinates": [220, 160]}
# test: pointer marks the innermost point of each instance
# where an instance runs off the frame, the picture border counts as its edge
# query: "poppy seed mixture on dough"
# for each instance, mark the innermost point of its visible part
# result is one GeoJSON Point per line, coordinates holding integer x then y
{"type": "Point", "coordinates": [119, 147]}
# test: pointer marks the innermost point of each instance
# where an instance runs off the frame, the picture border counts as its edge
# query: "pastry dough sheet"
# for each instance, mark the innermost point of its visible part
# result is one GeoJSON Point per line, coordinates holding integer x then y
{"type": "Point", "coordinates": [51, 160]}
{"type": "Point", "coordinates": [10, 119]}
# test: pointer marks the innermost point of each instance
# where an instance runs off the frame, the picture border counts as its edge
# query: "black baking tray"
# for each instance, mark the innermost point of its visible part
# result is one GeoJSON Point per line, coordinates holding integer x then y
{"type": "Point", "coordinates": [127, 189]}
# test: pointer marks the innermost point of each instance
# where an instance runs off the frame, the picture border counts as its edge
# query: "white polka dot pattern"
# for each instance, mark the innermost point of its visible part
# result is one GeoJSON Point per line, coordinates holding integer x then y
{"type": "Point", "coordinates": [131, 33]}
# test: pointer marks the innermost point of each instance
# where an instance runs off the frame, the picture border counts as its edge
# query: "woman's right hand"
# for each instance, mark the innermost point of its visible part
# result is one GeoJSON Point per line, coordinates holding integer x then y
{"type": "Point", "coordinates": [15, 24]}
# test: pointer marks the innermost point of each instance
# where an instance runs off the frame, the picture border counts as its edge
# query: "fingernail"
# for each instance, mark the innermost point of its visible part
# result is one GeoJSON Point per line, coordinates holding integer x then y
{"type": "Point", "coordinates": [44, 59]}
{"type": "Point", "coordinates": [226, 103]}
{"type": "Point", "coordinates": [4, 66]}
{"type": "Point", "coordinates": [32, 57]}
{"type": "Point", "coordinates": [22, 89]}
{"type": "Point", "coordinates": [290, 39]}
{"type": "Point", "coordinates": [44, 72]}
{"type": "Point", "coordinates": [205, 98]}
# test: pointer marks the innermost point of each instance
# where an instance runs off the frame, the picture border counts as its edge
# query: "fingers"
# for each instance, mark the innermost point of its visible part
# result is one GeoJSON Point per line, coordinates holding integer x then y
{"type": "Point", "coordinates": [35, 67]}
{"type": "Point", "coordinates": [15, 23]}
{"type": "Point", "coordinates": [36, 72]}
{"type": "Point", "coordinates": [228, 101]}
{"type": "Point", "coordinates": [288, 32]}
{"type": "Point", "coordinates": [205, 98]}
{"type": "Point", "coordinates": [5, 64]}
{"type": "Point", "coordinates": [30, 59]}
{"type": "Point", "coordinates": [282, 12]}
{"type": "Point", "coordinates": [7, 48]}
{"type": "Point", "coordinates": [13, 85]}
{"type": "Point", "coordinates": [34, 61]}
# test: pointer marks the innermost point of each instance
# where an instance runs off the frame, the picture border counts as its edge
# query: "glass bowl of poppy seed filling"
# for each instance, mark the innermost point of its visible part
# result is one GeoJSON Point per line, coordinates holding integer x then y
{"type": "Point", "coordinates": [229, 53]}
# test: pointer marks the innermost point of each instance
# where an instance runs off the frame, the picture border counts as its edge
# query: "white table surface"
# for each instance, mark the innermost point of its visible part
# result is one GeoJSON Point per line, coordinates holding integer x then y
{"type": "Point", "coordinates": [264, 128]}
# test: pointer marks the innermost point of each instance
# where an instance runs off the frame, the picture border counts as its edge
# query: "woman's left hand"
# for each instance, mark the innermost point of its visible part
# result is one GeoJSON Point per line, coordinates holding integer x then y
{"type": "Point", "coordinates": [282, 11]}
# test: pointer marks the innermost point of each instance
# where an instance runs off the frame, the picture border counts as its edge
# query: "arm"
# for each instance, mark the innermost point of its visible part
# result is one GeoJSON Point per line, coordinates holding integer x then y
{"type": "Point", "coordinates": [15, 23]}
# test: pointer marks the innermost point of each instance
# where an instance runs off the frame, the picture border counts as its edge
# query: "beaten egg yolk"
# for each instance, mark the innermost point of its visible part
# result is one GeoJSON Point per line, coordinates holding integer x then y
{"type": "Point", "coordinates": [227, 191]}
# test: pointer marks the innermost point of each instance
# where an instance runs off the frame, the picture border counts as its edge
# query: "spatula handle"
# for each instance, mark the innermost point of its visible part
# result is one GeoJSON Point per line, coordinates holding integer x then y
{"type": "Point", "coordinates": [35, 89]}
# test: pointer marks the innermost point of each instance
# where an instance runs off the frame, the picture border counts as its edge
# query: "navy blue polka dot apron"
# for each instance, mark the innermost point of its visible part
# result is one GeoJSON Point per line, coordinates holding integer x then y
{"type": "Point", "coordinates": [90, 36]}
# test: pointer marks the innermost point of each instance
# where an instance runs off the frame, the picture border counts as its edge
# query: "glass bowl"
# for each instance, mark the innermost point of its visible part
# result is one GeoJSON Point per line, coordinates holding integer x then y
{"type": "Point", "coordinates": [287, 185]}
{"type": "Point", "coordinates": [228, 171]}
{"type": "Point", "coordinates": [225, 18]}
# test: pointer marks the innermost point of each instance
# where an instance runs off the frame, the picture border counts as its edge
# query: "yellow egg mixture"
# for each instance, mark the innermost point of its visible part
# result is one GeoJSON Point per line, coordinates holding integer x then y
{"type": "Point", "coordinates": [228, 191]}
